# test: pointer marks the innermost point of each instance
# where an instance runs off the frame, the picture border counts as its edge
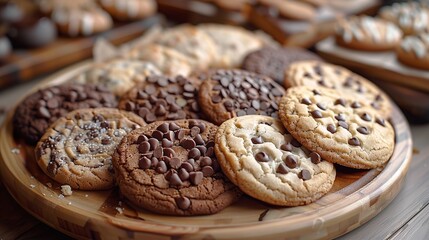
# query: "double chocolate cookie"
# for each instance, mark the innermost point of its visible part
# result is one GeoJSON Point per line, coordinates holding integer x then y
{"type": "Point", "coordinates": [163, 98]}
{"type": "Point", "coordinates": [339, 128]}
{"type": "Point", "coordinates": [171, 168]}
{"type": "Point", "coordinates": [266, 162]}
{"type": "Point", "coordinates": [225, 94]}
{"type": "Point", "coordinates": [37, 111]}
{"type": "Point", "coordinates": [77, 149]}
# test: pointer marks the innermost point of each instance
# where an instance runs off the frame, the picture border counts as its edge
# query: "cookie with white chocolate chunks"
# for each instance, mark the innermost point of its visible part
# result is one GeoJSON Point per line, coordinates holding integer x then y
{"type": "Point", "coordinates": [258, 154]}
{"type": "Point", "coordinates": [225, 94]}
{"type": "Point", "coordinates": [119, 75]}
{"type": "Point", "coordinates": [414, 51]}
{"type": "Point", "coordinates": [341, 129]}
{"type": "Point", "coordinates": [162, 98]}
{"type": "Point", "coordinates": [77, 149]}
{"type": "Point", "coordinates": [170, 168]}
{"type": "Point", "coordinates": [129, 10]}
{"type": "Point", "coordinates": [319, 74]}
{"type": "Point", "coordinates": [368, 34]}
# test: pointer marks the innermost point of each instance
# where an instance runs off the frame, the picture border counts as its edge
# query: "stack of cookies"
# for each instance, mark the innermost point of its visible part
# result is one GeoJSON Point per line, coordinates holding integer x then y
{"type": "Point", "coordinates": [192, 145]}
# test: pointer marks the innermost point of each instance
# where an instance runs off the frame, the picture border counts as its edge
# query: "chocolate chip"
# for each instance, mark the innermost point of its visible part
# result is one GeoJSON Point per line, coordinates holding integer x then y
{"type": "Point", "coordinates": [331, 128]}
{"type": "Point", "coordinates": [150, 117]}
{"type": "Point", "coordinates": [262, 157]}
{"type": "Point", "coordinates": [210, 152]}
{"type": "Point", "coordinates": [175, 180]}
{"type": "Point", "coordinates": [180, 134]}
{"type": "Point", "coordinates": [316, 114]}
{"type": "Point", "coordinates": [157, 135]}
{"type": "Point", "coordinates": [305, 174]}
{"type": "Point", "coordinates": [315, 158]}
{"type": "Point", "coordinates": [196, 177]}
{"type": "Point", "coordinates": [380, 121]}
{"type": "Point", "coordinates": [166, 143]}
{"type": "Point", "coordinates": [340, 101]}
{"type": "Point", "coordinates": [321, 106]}
{"type": "Point", "coordinates": [183, 203]}
{"type": "Point", "coordinates": [229, 105]}
{"type": "Point", "coordinates": [161, 167]}
{"type": "Point", "coordinates": [158, 152]}
{"type": "Point", "coordinates": [282, 169]}
{"type": "Point", "coordinates": [363, 130]}
{"type": "Point", "coordinates": [169, 136]}
{"type": "Point", "coordinates": [173, 126]}
{"type": "Point", "coordinates": [343, 125]}
{"type": "Point", "coordinates": [144, 163]}
{"type": "Point", "coordinates": [286, 147]}
{"type": "Point", "coordinates": [144, 147]}
{"type": "Point", "coordinates": [194, 131]}
{"type": "Point", "coordinates": [291, 161]}
{"type": "Point", "coordinates": [340, 117]}
{"type": "Point", "coordinates": [52, 103]}
{"type": "Point", "coordinates": [163, 128]}
{"type": "Point", "coordinates": [366, 117]}
{"type": "Point", "coordinates": [44, 112]}
{"type": "Point", "coordinates": [169, 152]}
{"type": "Point", "coordinates": [306, 101]}
{"type": "Point", "coordinates": [153, 143]}
{"type": "Point", "coordinates": [295, 143]}
{"type": "Point", "coordinates": [150, 89]}
{"type": "Point", "coordinates": [241, 113]}
{"type": "Point", "coordinates": [216, 99]}
{"type": "Point", "coordinates": [199, 140]}
{"type": "Point", "coordinates": [205, 161]}
{"type": "Point", "coordinates": [354, 141]}
{"type": "Point", "coordinates": [356, 105]}
{"type": "Point", "coordinates": [257, 140]}
{"type": "Point", "coordinates": [187, 166]}
{"type": "Point", "coordinates": [105, 141]}
{"type": "Point", "coordinates": [183, 174]}
{"type": "Point", "coordinates": [202, 149]}
{"type": "Point", "coordinates": [207, 171]}
{"type": "Point", "coordinates": [316, 92]}
{"type": "Point", "coordinates": [194, 153]}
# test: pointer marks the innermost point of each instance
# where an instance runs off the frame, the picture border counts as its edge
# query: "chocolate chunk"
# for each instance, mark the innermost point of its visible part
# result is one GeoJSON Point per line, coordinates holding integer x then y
{"type": "Point", "coordinates": [340, 101]}
{"type": "Point", "coordinates": [291, 161]}
{"type": "Point", "coordinates": [305, 175]}
{"type": "Point", "coordinates": [354, 141]}
{"type": "Point", "coordinates": [295, 143]}
{"type": "Point", "coordinates": [331, 128]}
{"type": "Point", "coordinates": [207, 171]}
{"type": "Point", "coordinates": [144, 147]}
{"type": "Point", "coordinates": [161, 167]}
{"type": "Point", "coordinates": [257, 140]}
{"type": "Point", "coordinates": [262, 157]}
{"type": "Point", "coordinates": [366, 117]}
{"type": "Point", "coordinates": [175, 180]}
{"type": "Point", "coordinates": [356, 105]}
{"type": "Point", "coordinates": [380, 121]}
{"type": "Point", "coordinates": [306, 101]}
{"type": "Point", "coordinates": [183, 174]}
{"type": "Point", "coordinates": [315, 158]}
{"type": "Point", "coordinates": [196, 177]}
{"type": "Point", "coordinates": [144, 163]}
{"type": "Point", "coordinates": [286, 147]}
{"type": "Point", "coordinates": [343, 125]}
{"type": "Point", "coordinates": [363, 130]}
{"type": "Point", "coordinates": [282, 169]}
{"type": "Point", "coordinates": [316, 114]}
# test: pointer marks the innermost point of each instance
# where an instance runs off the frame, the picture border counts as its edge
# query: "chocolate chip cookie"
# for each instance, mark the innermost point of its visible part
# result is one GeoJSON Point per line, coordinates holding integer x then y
{"type": "Point", "coordinates": [37, 111]}
{"type": "Point", "coordinates": [341, 129]}
{"type": "Point", "coordinates": [77, 149]}
{"type": "Point", "coordinates": [119, 75]}
{"type": "Point", "coordinates": [225, 94]}
{"type": "Point", "coordinates": [257, 154]}
{"type": "Point", "coordinates": [163, 98]}
{"type": "Point", "coordinates": [272, 62]}
{"type": "Point", "coordinates": [318, 74]}
{"type": "Point", "coordinates": [169, 167]}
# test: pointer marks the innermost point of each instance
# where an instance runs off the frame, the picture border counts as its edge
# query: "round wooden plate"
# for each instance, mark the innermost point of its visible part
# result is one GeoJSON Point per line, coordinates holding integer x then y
{"type": "Point", "coordinates": [356, 197]}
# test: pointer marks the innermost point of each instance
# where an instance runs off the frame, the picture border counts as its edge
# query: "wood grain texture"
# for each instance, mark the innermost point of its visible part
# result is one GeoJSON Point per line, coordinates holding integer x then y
{"type": "Point", "coordinates": [24, 65]}
{"type": "Point", "coordinates": [380, 65]}
{"type": "Point", "coordinates": [356, 197]}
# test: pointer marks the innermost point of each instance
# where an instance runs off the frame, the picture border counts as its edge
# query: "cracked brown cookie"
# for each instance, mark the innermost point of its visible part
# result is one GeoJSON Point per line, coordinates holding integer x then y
{"type": "Point", "coordinates": [317, 74]}
{"type": "Point", "coordinates": [257, 154]}
{"type": "Point", "coordinates": [225, 94]}
{"type": "Point", "coordinates": [368, 34]}
{"type": "Point", "coordinates": [77, 149]}
{"type": "Point", "coordinates": [37, 111]}
{"type": "Point", "coordinates": [162, 98]}
{"type": "Point", "coordinates": [170, 168]}
{"type": "Point", "coordinates": [341, 129]}
{"type": "Point", "coordinates": [118, 76]}
{"type": "Point", "coordinates": [272, 62]}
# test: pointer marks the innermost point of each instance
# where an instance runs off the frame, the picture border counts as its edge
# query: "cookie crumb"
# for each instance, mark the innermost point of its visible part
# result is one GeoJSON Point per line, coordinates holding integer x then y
{"type": "Point", "coordinates": [49, 184]}
{"type": "Point", "coordinates": [69, 203]}
{"type": "Point", "coordinates": [15, 151]}
{"type": "Point", "coordinates": [66, 190]}
{"type": "Point", "coordinates": [32, 185]}
{"type": "Point", "coordinates": [120, 210]}
{"type": "Point", "coordinates": [86, 195]}
{"type": "Point", "coordinates": [61, 196]}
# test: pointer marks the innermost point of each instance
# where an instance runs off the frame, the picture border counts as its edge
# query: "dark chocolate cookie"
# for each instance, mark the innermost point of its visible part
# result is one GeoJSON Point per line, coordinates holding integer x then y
{"type": "Point", "coordinates": [171, 168]}
{"type": "Point", "coordinates": [273, 62]}
{"type": "Point", "coordinates": [77, 149]}
{"type": "Point", "coordinates": [162, 98]}
{"type": "Point", "coordinates": [36, 112]}
{"type": "Point", "coordinates": [225, 94]}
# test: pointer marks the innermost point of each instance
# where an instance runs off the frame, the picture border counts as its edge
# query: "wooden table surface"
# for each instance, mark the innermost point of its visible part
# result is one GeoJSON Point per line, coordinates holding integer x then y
{"type": "Point", "coordinates": [407, 217]}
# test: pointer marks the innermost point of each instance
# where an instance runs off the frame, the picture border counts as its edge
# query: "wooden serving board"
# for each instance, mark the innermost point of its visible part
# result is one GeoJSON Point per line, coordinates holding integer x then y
{"type": "Point", "coordinates": [380, 65]}
{"type": "Point", "coordinates": [356, 197]}
{"type": "Point", "coordinates": [25, 64]}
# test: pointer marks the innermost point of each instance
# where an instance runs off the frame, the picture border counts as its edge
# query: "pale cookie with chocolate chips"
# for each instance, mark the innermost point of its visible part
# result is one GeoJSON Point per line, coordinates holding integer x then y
{"type": "Point", "coordinates": [318, 74]}
{"type": "Point", "coordinates": [169, 167]}
{"type": "Point", "coordinates": [266, 162]}
{"type": "Point", "coordinates": [368, 34]}
{"type": "Point", "coordinates": [77, 149]}
{"type": "Point", "coordinates": [341, 129]}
